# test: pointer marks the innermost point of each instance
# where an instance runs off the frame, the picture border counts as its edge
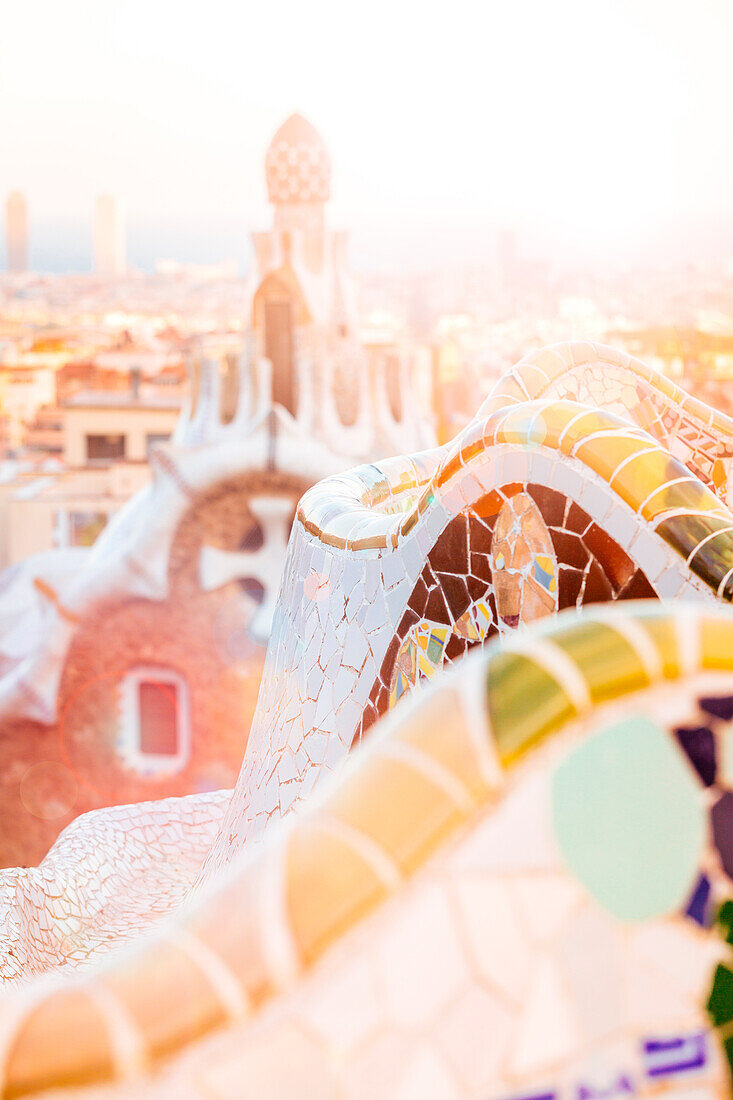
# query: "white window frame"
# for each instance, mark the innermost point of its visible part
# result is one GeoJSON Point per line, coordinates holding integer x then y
{"type": "Point", "coordinates": [148, 763]}
{"type": "Point", "coordinates": [61, 529]}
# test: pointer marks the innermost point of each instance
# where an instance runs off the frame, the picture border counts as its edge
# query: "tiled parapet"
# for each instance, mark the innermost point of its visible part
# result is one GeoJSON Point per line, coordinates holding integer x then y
{"type": "Point", "coordinates": [698, 435]}
{"type": "Point", "coordinates": [517, 887]}
{"type": "Point", "coordinates": [395, 570]}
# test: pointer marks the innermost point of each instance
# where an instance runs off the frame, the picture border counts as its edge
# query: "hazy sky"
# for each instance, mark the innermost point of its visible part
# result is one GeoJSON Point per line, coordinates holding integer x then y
{"type": "Point", "coordinates": [598, 129]}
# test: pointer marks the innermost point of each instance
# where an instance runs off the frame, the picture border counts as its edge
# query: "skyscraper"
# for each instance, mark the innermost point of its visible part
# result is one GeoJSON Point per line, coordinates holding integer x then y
{"type": "Point", "coordinates": [16, 233]}
{"type": "Point", "coordinates": [109, 238]}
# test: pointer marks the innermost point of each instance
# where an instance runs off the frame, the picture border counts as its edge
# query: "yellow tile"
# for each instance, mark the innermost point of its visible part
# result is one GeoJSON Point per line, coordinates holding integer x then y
{"type": "Point", "coordinates": [328, 887]}
{"type": "Point", "coordinates": [605, 453]}
{"type": "Point", "coordinates": [167, 996]}
{"type": "Point", "coordinates": [63, 1042]}
{"type": "Point", "coordinates": [513, 679]}
{"type": "Point", "coordinates": [439, 728]}
{"type": "Point", "coordinates": [660, 627]}
{"type": "Point", "coordinates": [690, 495]}
{"type": "Point", "coordinates": [638, 478]}
{"type": "Point", "coordinates": [609, 664]}
{"type": "Point", "coordinates": [716, 643]}
{"type": "Point", "coordinates": [398, 808]}
{"type": "Point", "coordinates": [593, 420]}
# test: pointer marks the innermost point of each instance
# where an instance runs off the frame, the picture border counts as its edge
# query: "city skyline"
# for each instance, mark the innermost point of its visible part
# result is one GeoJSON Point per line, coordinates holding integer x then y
{"type": "Point", "coordinates": [439, 135]}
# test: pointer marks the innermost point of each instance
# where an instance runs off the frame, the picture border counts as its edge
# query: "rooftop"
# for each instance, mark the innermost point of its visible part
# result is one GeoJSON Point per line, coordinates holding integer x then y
{"type": "Point", "coordinates": [121, 399]}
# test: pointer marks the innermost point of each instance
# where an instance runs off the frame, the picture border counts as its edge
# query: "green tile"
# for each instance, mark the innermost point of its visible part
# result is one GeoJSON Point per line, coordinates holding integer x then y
{"type": "Point", "coordinates": [609, 663]}
{"type": "Point", "coordinates": [525, 704]}
{"type": "Point", "coordinates": [728, 1050]}
{"type": "Point", "coordinates": [725, 920]}
{"type": "Point", "coordinates": [720, 1001]}
{"type": "Point", "coordinates": [715, 559]}
{"type": "Point", "coordinates": [630, 820]}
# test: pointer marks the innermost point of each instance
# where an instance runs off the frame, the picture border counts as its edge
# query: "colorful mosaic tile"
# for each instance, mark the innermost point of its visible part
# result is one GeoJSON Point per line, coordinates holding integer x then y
{"type": "Point", "coordinates": [635, 845]}
{"type": "Point", "coordinates": [501, 971]}
{"type": "Point", "coordinates": [522, 884]}
{"type": "Point", "coordinates": [540, 504]}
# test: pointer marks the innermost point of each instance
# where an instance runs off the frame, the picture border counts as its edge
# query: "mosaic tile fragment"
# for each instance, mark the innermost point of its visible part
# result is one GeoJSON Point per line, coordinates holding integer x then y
{"type": "Point", "coordinates": [626, 782]}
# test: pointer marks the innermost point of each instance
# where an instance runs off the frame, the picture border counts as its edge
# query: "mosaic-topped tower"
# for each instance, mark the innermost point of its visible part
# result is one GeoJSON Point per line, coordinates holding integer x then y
{"type": "Point", "coordinates": [298, 173]}
{"type": "Point", "coordinates": [300, 291]}
{"type": "Point", "coordinates": [301, 303]}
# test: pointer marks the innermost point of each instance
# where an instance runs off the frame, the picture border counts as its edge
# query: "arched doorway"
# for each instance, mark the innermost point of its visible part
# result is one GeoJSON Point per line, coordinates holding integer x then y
{"type": "Point", "coordinates": [279, 308]}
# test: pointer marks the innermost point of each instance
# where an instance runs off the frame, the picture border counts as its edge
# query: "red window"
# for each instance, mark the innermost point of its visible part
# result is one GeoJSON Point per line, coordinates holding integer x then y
{"type": "Point", "coordinates": [159, 718]}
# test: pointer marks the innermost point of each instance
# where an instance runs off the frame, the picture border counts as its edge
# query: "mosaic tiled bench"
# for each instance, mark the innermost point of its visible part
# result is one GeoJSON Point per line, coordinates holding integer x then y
{"type": "Point", "coordinates": [518, 886]}
{"type": "Point", "coordinates": [542, 503]}
{"type": "Point", "coordinates": [491, 900]}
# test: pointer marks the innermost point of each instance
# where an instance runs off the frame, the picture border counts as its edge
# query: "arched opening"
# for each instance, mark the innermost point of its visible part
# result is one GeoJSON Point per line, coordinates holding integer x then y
{"type": "Point", "coordinates": [229, 392]}
{"type": "Point", "coordinates": [194, 382]}
{"type": "Point", "coordinates": [279, 308]}
{"type": "Point", "coordinates": [346, 391]}
{"type": "Point", "coordinates": [254, 538]}
{"type": "Point", "coordinates": [280, 350]}
{"type": "Point", "coordinates": [394, 389]}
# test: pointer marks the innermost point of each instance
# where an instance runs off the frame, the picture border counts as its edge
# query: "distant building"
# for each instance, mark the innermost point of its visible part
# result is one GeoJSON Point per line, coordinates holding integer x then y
{"type": "Point", "coordinates": [109, 238]}
{"type": "Point", "coordinates": [16, 233]}
{"type": "Point", "coordinates": [84, 460]}
{"type": "Point", "coordinates": [113, 426]}
{"type": "Point", "coordinates": [689, 354]}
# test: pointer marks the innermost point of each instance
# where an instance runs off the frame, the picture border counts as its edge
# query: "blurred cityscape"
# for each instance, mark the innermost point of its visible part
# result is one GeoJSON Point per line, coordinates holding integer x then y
{"type": "Point", "coordinates": [95, 368]}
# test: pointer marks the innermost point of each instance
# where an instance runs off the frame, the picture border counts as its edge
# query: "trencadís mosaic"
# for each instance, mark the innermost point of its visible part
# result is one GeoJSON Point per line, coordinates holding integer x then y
{"type": "Point", "coordinates": [520, 882]}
